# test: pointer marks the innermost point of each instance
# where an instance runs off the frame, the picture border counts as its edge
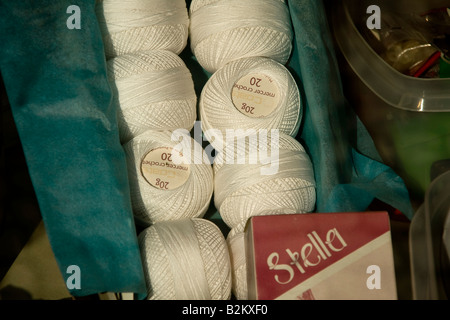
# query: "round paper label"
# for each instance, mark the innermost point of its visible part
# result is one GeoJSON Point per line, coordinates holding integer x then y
{"type": "Point", "coordinates": [160, 171]}
{"type": "Point", "coordinates": [255, 95]}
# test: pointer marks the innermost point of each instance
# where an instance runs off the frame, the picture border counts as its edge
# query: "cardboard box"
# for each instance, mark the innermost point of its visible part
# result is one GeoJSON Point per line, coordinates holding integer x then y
{"type": "Point", "coordinates": [320, 256]}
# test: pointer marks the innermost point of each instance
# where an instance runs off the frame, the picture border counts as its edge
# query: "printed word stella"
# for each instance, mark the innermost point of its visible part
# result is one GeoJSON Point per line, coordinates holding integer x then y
{"type": "Point", "coordinates": [310, 254]}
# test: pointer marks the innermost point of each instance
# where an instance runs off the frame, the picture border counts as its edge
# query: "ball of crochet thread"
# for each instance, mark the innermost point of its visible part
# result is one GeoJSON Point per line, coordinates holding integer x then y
{"type": "Point", "coordinates": [166, 182]}
{"type": "Point", "coordinates": [250, 94]}
{"type": "Point", "coordinates": [263, 176]}
{"type": "Point", "coordinates": [187, 259]}
{"type": "Point", "coordinates": [134, 25]}
{"type": "Point", "coordinates": [153, 90]}
{"type": "Point", "coordinates": [226, 30]}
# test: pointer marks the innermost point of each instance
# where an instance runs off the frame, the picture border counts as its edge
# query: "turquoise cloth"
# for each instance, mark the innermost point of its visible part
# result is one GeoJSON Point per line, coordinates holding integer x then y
{"type": "Point", "coordinates": [348, 169]}
{"type": "Point", "coordinates": [56, 82]}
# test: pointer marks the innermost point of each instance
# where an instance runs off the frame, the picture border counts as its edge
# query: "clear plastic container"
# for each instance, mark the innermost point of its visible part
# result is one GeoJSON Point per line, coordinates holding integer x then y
{"type": "Point", "coordinates": [429, 243]}
{"type": "Point", "coordinates": [407, 117]}
{"type": "Point", "coordinates": [396, 89]}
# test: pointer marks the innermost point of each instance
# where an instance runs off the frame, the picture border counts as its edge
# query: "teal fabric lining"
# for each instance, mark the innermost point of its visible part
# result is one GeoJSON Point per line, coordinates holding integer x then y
{"type": "Point", "coordinates": [56, 82]}
{"type": "Point", "coordinates": [348, 169]}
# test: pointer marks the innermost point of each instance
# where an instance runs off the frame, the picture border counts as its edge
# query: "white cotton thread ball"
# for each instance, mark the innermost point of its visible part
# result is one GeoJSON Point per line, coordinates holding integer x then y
{"type": "Point", "coordinates": [168, 175]}
{"type": "Point", "coordinates": [186, 259]}
{"type": "Point", "coordinates": [226, 30]}
{"type": "Point", "coordinates": [134, 25]}
{"type": "Point", "coordinates": [153, 90]}
{"type": "Point", "coordinates": [250, 93]}
{"type": "Point", "coordinates": [268, 174]}
{"type": "Point", "coordinates": [236, 246]}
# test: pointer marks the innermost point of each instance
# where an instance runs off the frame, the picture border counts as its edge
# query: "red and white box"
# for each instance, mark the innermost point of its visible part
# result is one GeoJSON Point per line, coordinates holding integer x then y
{"type": "Point", "coordinates": [320, 256]}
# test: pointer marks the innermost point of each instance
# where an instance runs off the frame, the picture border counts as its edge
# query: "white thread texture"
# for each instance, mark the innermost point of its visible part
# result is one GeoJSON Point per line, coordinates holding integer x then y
{"type": "Point", "coordinates": [242, 191]}
{"type": "Point", "coordinates": [135, 25]}
{"type": "Point", "coordinates": [218, 112]}
{"type": "Point", "coordinates": [226, 30]}
{"type": "Point", "coordinates": [153, 90]}
{"type": "Point", "coordinates": [236, 247]}
{"type": "Point", "coordinates": [150, 204]}
{"type": "Point", "coordinates": [187, 259]}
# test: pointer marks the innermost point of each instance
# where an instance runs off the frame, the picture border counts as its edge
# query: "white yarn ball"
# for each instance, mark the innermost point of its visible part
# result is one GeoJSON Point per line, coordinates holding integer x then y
{"type": "Point", "coordinates": [134, 25]}
{"type": "Point", "coordinates": [226, 30]}
{"type": "Point", "coordinates": [186, 259]}
{"type": "Point", "coordinates": [236, 247]}
{"type": "Point", "coordinates": [250, 93]}
{"type": "Point", "coordinates": [162, 188]}
{"type": "Point", "coordinates": [153, 90]}
{"type": "Point", "coordinates": [276, 177]}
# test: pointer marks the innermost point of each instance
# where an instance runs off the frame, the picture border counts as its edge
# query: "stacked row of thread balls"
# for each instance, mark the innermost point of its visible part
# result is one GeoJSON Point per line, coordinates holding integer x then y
{"type": "Point", "coordinates": [184, 256]}
{"type": "Point", "coordinates": [233, 39]}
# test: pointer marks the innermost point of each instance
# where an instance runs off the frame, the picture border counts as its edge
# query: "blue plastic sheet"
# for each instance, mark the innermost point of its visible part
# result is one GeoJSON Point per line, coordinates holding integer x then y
{"type": "Point", "coordinates": [55, 79]}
